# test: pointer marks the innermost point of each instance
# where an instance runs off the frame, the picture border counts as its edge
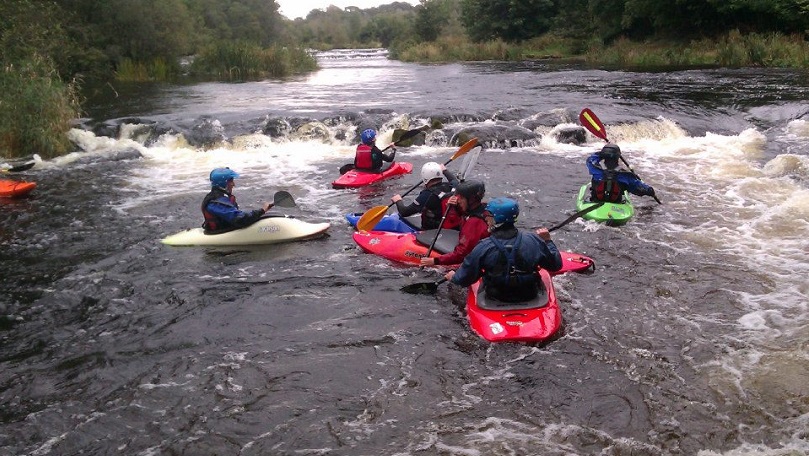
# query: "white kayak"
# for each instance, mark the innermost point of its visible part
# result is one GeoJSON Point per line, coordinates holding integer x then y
{"type": "Point", "coordinates": [271, 229]}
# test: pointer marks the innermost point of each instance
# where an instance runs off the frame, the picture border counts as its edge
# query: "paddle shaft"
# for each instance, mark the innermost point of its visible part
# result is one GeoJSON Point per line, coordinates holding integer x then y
{"type": "Point", "coordinates": [440, 227]}
{"type": "Point", "coordinates": [575, 216]}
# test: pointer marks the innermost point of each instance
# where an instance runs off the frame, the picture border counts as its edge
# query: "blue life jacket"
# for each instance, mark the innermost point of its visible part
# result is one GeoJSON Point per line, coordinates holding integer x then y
{"type": "Point", "coordinates": [512, 280]}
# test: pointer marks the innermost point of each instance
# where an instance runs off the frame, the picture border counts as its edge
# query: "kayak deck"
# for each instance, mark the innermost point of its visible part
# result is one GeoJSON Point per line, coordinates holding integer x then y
{"type": "Point", "coordinates": [534, 321]}
{"type": "Point", "coordinates": [610, 213]}
{"type": "Point", "coordinates": [392, 223]}
{"type": "Point", "coordinates": [409, 248]}
{"type": "Point", "coordinates": [356, 178]}
{"type": "Point", "coordinates": [268, 230]}
{"type": "Point", "coordinates": [15, 189]}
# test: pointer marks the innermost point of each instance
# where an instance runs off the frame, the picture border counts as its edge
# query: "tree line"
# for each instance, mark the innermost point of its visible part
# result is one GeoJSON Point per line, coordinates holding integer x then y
{"type": "Point", "coordinates": [48, 47]}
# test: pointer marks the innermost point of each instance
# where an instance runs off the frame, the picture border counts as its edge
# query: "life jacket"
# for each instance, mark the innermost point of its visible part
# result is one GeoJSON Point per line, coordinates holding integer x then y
{"type": "Point", "coordinates": [607, 189]}
{"type": "Point", "coordinates": [364, 159]}
{"type": "Point", "coordinates": [212, 223]}
{"type": "Point", "coordinates": [512, 280]}
{"type": "Point", "coordinates": [436, 207]}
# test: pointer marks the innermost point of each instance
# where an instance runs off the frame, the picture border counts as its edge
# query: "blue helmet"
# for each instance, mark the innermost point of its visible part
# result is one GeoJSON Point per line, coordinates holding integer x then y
{"type": "Point", "coordinates": [504, 210]}
{"type": "Point", "coordinates": [221, 176]}
{"type": "Point", "coordinates": [368, 136]}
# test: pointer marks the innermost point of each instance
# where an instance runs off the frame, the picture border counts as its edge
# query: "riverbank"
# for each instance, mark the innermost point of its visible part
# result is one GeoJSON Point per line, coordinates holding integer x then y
{"type": "Point", "coordinates": [731, 50]}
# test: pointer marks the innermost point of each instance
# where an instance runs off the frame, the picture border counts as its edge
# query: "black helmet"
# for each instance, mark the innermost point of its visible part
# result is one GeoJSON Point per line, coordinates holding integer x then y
{"type": "Point", "coordinates": [610, 153]}
{"type": "Point", "coordinates": [471, 189]}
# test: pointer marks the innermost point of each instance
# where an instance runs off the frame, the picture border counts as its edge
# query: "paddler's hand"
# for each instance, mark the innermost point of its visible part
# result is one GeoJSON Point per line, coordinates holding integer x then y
{"type": "Point", "coordinates": [453, 199]}
{"type": "Point", "coordinates": [396, 198]}
{"type": "Point", "coordinates": [544, 234]}
{"type": "Point", "coordinates": [267, 206]}
{"type": "Point", "coordinates": [427, 261]}
{"type": "Point", "coordinates": [449, 275]}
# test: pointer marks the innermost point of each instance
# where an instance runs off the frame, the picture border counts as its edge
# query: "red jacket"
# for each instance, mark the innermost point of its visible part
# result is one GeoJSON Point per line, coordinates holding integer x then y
{"type": "Point", "coordinates": [473, 229]}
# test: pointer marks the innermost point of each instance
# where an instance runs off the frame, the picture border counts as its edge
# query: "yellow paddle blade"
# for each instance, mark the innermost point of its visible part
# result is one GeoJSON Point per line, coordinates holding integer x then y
{"type": "Point", "coordinates": [371, 217]}
{"type": "Point", "coordinates": [469, 145]}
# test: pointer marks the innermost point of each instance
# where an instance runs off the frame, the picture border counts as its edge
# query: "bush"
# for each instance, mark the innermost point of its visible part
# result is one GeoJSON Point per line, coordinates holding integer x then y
{"type": "Point", "coordinates": [36, 109]}
{"type": "Point", "coordinates": [235, 61]}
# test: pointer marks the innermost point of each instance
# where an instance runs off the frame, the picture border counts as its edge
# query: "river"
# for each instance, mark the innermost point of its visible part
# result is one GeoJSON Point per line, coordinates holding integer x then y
{"type": "Point", "coordinates": [690, 338]}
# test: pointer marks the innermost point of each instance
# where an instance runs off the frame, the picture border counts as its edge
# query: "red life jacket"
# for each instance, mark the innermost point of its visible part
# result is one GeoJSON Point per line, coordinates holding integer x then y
{"type": "Point", "coordinates": [363, 158]}
{"type": "Point", "coordinates": [607, 190]}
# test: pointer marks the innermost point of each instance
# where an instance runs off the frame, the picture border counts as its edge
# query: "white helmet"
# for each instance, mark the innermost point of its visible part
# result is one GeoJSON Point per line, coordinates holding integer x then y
{"type": "Point", "coordinates": [430, 171]}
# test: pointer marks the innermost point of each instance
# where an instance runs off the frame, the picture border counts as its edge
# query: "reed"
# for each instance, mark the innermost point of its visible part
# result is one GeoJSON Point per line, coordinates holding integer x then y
{"type": "Point", "coordinates": [732, 50]}
{"type": "Point", "coordinates": [156, 70]}
{"type": "Point", "coordinates": [234, 61]}
{"type": "Point", "coordinates": [454, 48]}
{"type": "Point", "coordinates": [36, 109]}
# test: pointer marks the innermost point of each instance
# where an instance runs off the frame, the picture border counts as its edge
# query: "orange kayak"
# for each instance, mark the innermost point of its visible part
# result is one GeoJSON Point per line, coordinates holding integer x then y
{"type": "Point", "coordinates": [15, 189]}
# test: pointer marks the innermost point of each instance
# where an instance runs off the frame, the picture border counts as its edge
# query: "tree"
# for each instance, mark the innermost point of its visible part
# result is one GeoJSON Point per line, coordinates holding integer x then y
{"type": "Point", "coordinates": [510, 20]}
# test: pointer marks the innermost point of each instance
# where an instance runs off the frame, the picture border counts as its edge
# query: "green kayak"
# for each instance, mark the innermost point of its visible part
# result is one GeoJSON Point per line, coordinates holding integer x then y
{"type": "Point", "coordinates": [610, 213]}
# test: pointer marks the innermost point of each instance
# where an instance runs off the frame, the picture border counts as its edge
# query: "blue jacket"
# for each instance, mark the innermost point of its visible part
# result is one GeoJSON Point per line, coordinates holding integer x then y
{"type": "Point", "coordinates": [486, 256]}
{"type": "Point", "coordinates": [628, 181]}
{"type": "Point", "coordinates": [222, 213]}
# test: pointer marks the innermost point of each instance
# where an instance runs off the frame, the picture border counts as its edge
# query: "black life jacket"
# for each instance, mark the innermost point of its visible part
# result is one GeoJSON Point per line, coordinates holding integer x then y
{"type": "Point", "coordinates": [607, 189]}
{"type": "Point", "coordinates": [436, 206]}
{"type": "Point", "coordinates": [213, 223]}
{"type": "Point", "coordinates": [513, 279]}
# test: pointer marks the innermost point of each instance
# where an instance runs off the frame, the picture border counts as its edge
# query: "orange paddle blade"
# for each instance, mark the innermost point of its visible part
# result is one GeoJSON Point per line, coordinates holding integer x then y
{"type": "Point", "coordinates": [591, 122]}
{"type": "Point", "coordinates": [371, 217]}
{"type": "Point", "coordinates": [469, 145]}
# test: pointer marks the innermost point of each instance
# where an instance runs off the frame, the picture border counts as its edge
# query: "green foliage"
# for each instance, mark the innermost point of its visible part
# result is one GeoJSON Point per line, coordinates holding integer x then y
{"type": "Point", "coordinates": [510, 20]}
{"type": "Point", "coordinates": [239, 61]}
{"type": "Point", "coordinates": [731, 50]}
{"type": "Point", "coordinates": [36, 109]}
{"type": "Point", "coordinates": [354, 28]}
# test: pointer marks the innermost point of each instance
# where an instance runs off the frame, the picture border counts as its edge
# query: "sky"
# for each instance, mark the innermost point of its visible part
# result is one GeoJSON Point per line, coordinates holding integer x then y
{"type": "Point", "coordinates": [300, 8]}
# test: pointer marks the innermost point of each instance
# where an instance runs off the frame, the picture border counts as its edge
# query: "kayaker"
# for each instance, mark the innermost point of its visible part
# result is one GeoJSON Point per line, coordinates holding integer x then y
{"type": "Point", "coordinates": [370, 158]}
{"type": "Point", "coordinates": [219, 208]}
{"type": "Point", "coordinates": [609, 184]}
{"type": "Point", "coordinates": [508, 259]}
{"type": "Point", "coordinates": [469, 198]}
{"type": "Point", "coordinates": [434, 199]}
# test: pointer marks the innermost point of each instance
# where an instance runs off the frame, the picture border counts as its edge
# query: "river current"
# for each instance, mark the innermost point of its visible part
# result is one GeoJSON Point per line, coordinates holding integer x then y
{"type": "Point", "coordinates": [691, 337]}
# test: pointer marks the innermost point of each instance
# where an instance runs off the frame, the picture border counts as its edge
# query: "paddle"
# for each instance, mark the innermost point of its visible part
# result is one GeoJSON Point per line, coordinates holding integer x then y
{"type": "Point", "coordinates": [423, 288]}
{"type": "Point", "coordinates": [593, 124]}
{"type": "Point", "coordinates": [372, 216]}
{"type": "Point", "coordinates": [576, 215]}
{"type": "Point", "coordinates": [432, 287]}
{"type": "Point", "coordinates": [405, 136]}
{"type": "Point", "coordinates": [283, 199]}
{"type": "Point", "coordinates": [18, 168]}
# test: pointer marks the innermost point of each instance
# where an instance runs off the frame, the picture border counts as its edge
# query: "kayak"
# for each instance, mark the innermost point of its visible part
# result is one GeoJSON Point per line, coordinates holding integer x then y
{"type": "Point", "coordinates": [531, 321]}
{"type": "Point", "coordinates": [15, 189]}
{"type": "Point", "coordinates": [409, 248]}
{"type": "Point", "coordinates": [392, 223]}
{"type": "Point", "coordinates": [355, 178]}
{"type": "Point", "coordinates": [270, 229]}
{"type": "Point", "coordinates": [609, 213]}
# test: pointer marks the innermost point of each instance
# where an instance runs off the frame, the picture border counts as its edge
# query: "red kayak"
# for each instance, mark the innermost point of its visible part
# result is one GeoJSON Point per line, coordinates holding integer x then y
{"type": "Point", "coordinates": [531, 321]}
{"type": "Point", "coordinates": [15, 189]}
{"type": "Point", "coordinates": [354, 178]}
{"type": "Point", "coordinates": [409, 248]}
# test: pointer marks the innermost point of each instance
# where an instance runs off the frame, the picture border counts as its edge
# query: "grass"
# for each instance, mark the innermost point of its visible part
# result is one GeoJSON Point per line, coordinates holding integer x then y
{"type": "Point", "coordinates": [233, 61]}
{"type": "Point", "coordinates": [36, 110]}
{"type": "Point", "coordinates": [731, 50]}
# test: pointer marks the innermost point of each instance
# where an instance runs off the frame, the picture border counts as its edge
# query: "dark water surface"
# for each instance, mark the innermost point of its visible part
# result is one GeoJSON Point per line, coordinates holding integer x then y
{"type": "Point", "coordinates": [691, 337]}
